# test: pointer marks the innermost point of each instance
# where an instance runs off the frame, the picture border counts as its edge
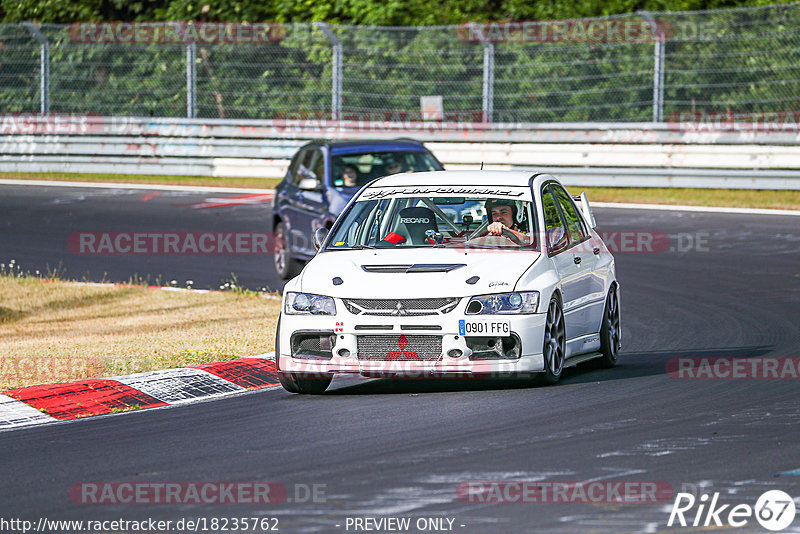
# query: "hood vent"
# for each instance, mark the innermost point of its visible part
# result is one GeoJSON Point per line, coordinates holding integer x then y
{"type": "Point", "coordinates": [386, 268]}
{"type": "Point", "coordinates": [416, 268]}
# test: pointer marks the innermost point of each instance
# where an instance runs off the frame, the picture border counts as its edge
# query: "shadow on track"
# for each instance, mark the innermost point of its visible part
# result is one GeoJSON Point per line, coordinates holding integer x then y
{"type": "Point", "coordinates": [632, 365]}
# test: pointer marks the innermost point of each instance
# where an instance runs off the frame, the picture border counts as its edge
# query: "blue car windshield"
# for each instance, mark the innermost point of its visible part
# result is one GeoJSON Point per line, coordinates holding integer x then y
{"type": "Point", "coordinates": [355, 170]}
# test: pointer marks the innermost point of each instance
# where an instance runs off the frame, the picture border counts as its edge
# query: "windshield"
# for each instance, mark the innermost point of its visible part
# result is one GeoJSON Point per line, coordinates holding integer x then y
{"type": "Point", "coordinates": [355, 170]}
{"type": "Point", "coordinates": [437, 221]}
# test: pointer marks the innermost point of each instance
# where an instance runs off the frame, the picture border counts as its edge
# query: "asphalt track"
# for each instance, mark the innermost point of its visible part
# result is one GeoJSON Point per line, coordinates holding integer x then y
{"type": "Point", "coordinates": [37, 223]}
{"type": "Point", "coordinates": [400, 448]}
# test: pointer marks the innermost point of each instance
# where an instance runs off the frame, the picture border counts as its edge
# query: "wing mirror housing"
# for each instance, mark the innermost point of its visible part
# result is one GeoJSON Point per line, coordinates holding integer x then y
{"type": "Point", "coordinates": [320, 235]}
{"type": "Point", "coordinates": [309, 183]}
{"type": "Point", "coordinates": [586, 209]}
{"type": "Point", "coordinates": [557, 238]}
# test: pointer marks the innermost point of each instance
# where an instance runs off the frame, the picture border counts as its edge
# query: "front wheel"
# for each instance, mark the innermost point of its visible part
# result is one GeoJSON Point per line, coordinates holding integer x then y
{"type": "Point", "coordinates": [610, 333]}
{"type": "Point", "coordinates": [554, 344]}
{"type": "Point", "coordinates": [312, 386]}
{"type": "Point", "coordinates": [291, 382]}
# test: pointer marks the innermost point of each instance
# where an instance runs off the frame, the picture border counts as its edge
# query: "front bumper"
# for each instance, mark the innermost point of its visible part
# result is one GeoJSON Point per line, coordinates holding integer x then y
{"type": "Point", "coordinates": [344, 329]}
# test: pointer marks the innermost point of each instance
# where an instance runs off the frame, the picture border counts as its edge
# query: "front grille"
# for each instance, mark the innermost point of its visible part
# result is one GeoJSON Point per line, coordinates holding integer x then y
{"type": "Point", "coordinates": [401, 307]}
{"type": "Point", "coordinates": [402, 347]}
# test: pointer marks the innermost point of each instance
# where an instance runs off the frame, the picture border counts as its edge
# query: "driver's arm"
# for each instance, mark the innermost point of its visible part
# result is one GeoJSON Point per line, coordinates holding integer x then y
{"type": "Point", "coordinates": [496, 228]}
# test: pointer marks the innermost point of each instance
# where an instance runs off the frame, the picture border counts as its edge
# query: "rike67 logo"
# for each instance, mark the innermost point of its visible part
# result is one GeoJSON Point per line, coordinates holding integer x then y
{"type": "Point", "coordinates": [774, 510]}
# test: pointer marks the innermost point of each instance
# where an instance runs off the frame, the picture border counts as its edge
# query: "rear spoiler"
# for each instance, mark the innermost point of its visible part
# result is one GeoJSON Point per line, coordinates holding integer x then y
{"type": "Point", "coordinates": [586, 209]}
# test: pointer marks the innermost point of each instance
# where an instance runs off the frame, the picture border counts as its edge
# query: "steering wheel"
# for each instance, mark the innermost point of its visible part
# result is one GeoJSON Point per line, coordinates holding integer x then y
{"type": "Point", "coordinates": [505, 233]}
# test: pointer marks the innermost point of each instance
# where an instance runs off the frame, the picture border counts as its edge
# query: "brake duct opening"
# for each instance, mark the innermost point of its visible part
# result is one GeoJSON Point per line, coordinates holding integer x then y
{"type": "Point", "coordinates": [313, 345]}
{"type": "Point", "coordinates": [494, 347]}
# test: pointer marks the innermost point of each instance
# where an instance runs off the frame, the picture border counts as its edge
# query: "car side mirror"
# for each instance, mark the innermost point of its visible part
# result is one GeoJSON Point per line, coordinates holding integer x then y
{"type": "Point", "coordinates": [557, 238]}
{"type": "Point", "coordinates": [308, 184]}
{"type": "Point", "coordinates": [320, 235]}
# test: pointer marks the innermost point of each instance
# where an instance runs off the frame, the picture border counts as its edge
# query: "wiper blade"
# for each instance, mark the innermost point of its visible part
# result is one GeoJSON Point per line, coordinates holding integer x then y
{"type": "Point", "coordinates": [354, 247]}
{"type": "Point", "coordinates": [472, 245]}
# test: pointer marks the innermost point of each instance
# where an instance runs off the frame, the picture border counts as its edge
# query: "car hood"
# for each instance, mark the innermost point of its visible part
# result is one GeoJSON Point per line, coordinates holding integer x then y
{"type": "Point", "coordinates": [415, 273]}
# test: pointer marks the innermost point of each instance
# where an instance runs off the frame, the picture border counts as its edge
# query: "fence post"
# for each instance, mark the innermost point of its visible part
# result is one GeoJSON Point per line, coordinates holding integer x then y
{"type": "Point", "coordinates": [191, 80]}
{"type": "Point", "coordinates": [44, 67]}
{"type": "Point", "coordinates": [658, 66]}
{"type": "Point", "coordinates": [488, 80]}
{"type": "Point", "coordinates": [336, 70]}
{"type": "Point", "coordinates": [658, 79]}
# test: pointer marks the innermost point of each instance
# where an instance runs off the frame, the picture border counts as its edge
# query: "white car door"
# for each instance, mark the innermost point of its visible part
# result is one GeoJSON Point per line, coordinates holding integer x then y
{"type": "Point", "coordinates": [574, 262]}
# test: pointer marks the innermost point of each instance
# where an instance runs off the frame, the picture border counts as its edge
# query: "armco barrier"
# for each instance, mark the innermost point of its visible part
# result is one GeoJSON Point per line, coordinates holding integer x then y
{"type": "Point", "coordinates": [640, 154]}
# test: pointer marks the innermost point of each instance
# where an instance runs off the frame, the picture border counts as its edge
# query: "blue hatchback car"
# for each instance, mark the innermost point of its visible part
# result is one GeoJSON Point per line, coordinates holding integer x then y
{"type": "Point", "coordinates": [321, 179]}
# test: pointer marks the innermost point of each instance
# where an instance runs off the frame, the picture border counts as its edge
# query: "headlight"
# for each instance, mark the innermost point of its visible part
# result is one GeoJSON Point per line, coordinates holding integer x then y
{"type": "Point", "coordinates": [519, 302]}
{"type": "Point", "coordinates": [308, 304]}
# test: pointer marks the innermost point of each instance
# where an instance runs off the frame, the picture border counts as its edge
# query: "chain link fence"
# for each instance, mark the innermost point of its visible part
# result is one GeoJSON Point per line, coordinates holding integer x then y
{"type": "Point", "coordinates": [638, 67]}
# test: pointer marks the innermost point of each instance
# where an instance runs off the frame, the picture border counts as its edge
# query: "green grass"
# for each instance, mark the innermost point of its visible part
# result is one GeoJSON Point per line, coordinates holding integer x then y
{"type": "Point", "coordinates": [53, 330]}
{"type": "Point", "coordinates": [731, 198]}
{"type": "Point", "coordinates": [736, 198]}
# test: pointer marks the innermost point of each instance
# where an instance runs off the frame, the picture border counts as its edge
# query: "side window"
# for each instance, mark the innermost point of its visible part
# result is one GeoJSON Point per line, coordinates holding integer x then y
{"type": "Point", "coordinates": [304, 163]}
{"type": "Point", "coordinates": [554, 227]}
{"type": "Point", "coordinates": [318, 165]}
{"type": "Point", "coordinates": [301, 166]}
{"type": "Point", "coordinates": [294, 166]}
{"type": "Point", "coordinates": [577, 232]}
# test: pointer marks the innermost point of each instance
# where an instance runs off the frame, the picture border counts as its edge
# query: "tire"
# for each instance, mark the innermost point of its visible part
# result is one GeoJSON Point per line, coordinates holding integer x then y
{"type": "Point", "coordinates": [310, 386]}
{"type": "Point", "coordinates": [610, 331]}
{"type": "Point", "coordinates": [293, 384]}
{"type": "Point", "coordinates": [286, 266]}
{"type": "Point", "coordinates": [554, 344]}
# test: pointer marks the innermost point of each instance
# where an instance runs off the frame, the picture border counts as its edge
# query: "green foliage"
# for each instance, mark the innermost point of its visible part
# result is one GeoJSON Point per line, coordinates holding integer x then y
{"type": "Point", "coordinates": [367, 12]}
{"type": "Point", "coordinates": [66, 11]}
{"type": "Point", "coordinates": [737, 60]}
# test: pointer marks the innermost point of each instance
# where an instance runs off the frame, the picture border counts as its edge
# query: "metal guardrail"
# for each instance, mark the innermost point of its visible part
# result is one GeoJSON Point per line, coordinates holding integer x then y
{"type": "Point", "coordinates": [749, 157]}
{"type": "Point", "coordinates": [735, 133]}
{"type": "Point", "coordinates": [581, 153]}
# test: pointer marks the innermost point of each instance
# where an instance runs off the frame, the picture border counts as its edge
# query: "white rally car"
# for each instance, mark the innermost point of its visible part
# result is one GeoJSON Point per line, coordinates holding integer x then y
{"type": "Point", "coordinates": [452, 273]}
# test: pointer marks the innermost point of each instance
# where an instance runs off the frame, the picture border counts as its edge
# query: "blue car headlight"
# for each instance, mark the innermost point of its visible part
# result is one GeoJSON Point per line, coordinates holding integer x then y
{"type": "Point", "coordinates": [309, 304]}
{"type": "Point", "coordinates": [499, 303]}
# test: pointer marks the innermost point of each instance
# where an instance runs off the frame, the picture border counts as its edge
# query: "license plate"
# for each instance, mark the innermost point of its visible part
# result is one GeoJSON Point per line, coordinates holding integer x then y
{"type": "Point", "coordinates": [484, 328]}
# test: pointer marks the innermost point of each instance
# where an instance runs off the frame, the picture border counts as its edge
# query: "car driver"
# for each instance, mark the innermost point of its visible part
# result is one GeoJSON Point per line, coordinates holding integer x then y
{"type": "Point", "coordinates": [503, 214]}
{"type": "Point", "coordinates": [349, 175]}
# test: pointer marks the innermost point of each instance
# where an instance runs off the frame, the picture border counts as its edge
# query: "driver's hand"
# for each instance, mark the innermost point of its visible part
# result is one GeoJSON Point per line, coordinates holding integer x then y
{"type": "Point", "coordinates": [496, 228]}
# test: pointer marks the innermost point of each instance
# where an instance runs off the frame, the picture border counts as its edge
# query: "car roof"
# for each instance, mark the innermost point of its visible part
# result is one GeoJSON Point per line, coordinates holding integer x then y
{"type": "Point", "coordinates": [350, 147]}
{"type": "Point", "coordinates": [456, 178]}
